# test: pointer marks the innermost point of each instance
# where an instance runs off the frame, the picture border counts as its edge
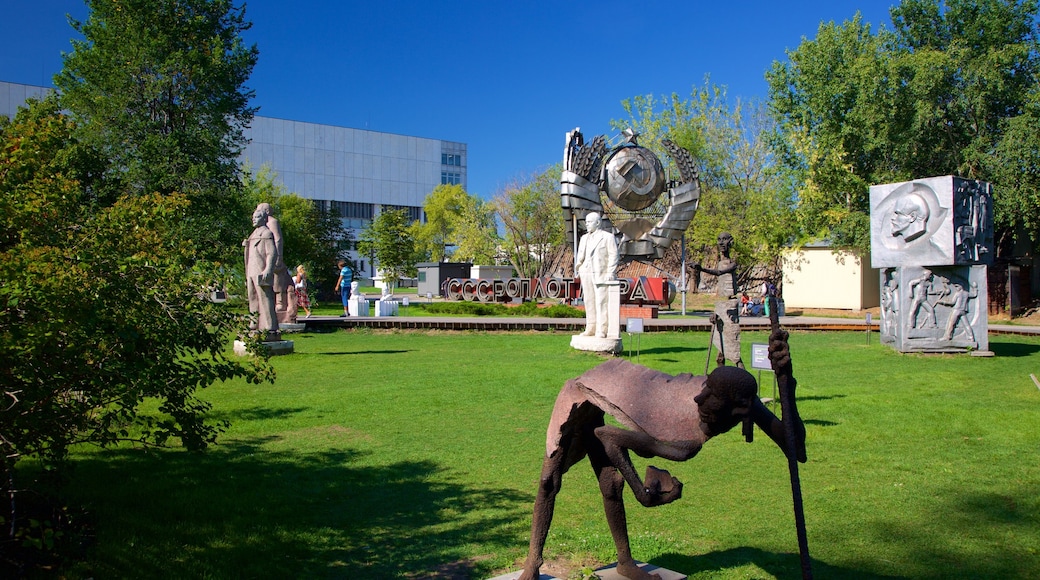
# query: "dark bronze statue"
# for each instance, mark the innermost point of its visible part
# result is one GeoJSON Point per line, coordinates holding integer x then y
{"type": "Point", "coordinates": [666, 416]}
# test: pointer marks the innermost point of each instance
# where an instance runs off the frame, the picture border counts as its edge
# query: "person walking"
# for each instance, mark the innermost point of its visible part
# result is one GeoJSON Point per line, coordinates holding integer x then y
{"type": "Point", "coordinates": [300, 284]}
{"type": "Point", "coordinates": [346, 275]}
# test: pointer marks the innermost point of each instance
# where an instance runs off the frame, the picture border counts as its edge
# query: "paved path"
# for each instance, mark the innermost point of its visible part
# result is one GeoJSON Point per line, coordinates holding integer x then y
{"type": "Point", "coordinates": [666, 323]}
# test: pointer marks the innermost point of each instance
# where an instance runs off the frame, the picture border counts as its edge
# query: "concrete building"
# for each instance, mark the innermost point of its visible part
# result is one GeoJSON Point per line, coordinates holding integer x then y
{"type": "Point", "coordinates": [817, 276]}
{"type": "Point", "coordinates": [355, 172]}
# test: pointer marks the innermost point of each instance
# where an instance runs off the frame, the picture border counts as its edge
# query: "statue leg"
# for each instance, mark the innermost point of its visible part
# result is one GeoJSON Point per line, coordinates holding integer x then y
{"type": "Point", "coordinates": [588, 296]}
{"type": "Point", "coordinates": [569, 452]}
{"type": "Point", "coordinates": [544, 505]}
{"type": "Point", "coordinates": [611, 484]}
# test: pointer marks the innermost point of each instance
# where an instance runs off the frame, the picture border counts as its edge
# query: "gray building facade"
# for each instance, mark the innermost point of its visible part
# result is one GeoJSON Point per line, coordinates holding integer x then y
{"type": "Point", "coordinates": [355, 172]}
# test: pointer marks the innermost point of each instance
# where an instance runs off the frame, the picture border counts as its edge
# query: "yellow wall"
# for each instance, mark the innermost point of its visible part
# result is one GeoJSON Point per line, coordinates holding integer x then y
{"type": "Point", "coordinates": [822, 278]}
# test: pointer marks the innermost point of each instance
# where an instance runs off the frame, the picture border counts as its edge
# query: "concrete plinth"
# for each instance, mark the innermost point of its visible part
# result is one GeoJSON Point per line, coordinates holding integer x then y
{"type": "Point", "coordinates": [610, 572]}
{"type": "Point", "coordinates": [596, 344]}
{"type": "Point", "coordinates": [285, 327]}
{"type": "Point", "coordinates": [607, 573]}
{"type": "Point", "coordinates": [357, 306]}
{"type": "Point", "coordinates": [276, 347]}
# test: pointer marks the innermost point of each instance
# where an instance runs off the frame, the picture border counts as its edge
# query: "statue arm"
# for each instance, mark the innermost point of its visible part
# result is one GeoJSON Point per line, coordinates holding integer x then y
{"type": "Point", "coordinates": [617, 442]}
{"type": "Point", "coordinates": [612, 257]}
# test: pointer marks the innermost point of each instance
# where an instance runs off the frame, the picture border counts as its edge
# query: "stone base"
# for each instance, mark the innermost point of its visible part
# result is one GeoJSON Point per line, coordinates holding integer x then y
{"type": "Point", "coordinates": [276, 348]}
{"type": "Point", "coordinates": [515, 575]}
{"type": "Point", "coordinates": [606, 573]}
{"type": "Point", "coordinates": [596, 344]}
{"type": "Point", "coordinates": [291, 326]}
{"type": "Point", "coordinates": [610, 572]}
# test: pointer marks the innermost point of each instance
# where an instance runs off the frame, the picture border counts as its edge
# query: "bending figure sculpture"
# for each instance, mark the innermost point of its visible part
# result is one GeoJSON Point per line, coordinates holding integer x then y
{"type": "Point", "coordinates": [666, 416]}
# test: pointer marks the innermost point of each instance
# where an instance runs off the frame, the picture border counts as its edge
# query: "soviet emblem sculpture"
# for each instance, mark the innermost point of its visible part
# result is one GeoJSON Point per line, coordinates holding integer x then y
{"type": "Point", "coordinates": [632, 180]}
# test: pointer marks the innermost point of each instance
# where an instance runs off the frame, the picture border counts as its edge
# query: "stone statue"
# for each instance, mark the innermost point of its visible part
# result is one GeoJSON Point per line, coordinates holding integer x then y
{"type": "Point", "coordinates": [666, 416]}
{"type": "Point", "coordinates": [282, 282]}
{"type": "Point", "coordinates": [958, 303]}
{"type": "Point", "coordinates": [260, 258]}
{"type": "Point", "coordinates": [726, 317]}
{"type": "Point", "coordinates": [919, 290]}
{"type": "Point", "coordinates": [596, 264]}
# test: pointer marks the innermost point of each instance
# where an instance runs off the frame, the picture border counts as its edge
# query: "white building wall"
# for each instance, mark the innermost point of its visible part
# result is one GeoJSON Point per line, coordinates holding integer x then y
{"type": "Point", "coordinates": [822, 278]}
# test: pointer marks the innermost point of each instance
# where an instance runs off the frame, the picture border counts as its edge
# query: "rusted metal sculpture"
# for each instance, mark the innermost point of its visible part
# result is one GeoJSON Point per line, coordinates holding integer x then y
{"type": "Point", "coordinates": [666, 416]}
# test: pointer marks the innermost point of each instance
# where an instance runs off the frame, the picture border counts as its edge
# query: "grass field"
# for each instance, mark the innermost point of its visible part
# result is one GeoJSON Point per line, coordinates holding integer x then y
{"type": "Point", "coordinates": [416, 455]}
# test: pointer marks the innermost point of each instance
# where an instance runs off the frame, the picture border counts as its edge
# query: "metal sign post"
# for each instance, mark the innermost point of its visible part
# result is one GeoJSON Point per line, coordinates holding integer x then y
{"type": "Point", "coordinates": [634, 326]}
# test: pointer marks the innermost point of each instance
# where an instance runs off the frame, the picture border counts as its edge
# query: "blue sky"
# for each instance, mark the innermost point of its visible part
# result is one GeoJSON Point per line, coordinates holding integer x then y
{"type": "Point", "coordinates": [509, 78]}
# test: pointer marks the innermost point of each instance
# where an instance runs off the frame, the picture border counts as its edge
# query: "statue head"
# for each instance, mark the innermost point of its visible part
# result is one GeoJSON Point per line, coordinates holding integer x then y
{"type": "Point", "coordinates": [592, 222]}
{"type": "Point", "coordinates": [259, 216]}
{"type": "Point", "coordinates": [725, 242]}
{"type": "Point", "coordinates": [910, 217]}
{"type": "Point", "coordinates": [725, 399]}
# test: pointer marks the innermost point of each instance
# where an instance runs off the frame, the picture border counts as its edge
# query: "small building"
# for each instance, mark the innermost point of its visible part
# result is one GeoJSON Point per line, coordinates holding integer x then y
{"type": "Point", "coordinates": [817, 276]}
{"type": "Point", "coordinates": [433, 274]}
{"type": "Point", "coordinates": [491, 272]}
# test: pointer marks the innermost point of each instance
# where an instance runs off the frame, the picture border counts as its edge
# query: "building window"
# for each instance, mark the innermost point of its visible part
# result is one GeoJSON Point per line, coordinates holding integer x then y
{"type": "Point", "coordinates": [454, 159]}
{"type": "Point", "coordinates": [451, 178]}
{"type": "Point", "coordinates": [414, 213]}
{"type": "Point", "coordinates": [352, 209]}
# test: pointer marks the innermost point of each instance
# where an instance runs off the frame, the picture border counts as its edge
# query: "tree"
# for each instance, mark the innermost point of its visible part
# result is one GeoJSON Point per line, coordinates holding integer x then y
{"type": "Point", "coordinates": [310, 237]}
{"type": "Point", "coordinates": [741, 191]}
{"type": "Point", "coordinates": [458, 225]}
{"type": "Point", "coordinates": [477, 231]}
{"type": "Point", "coordinates": [158, 89]}
{"type": "Point", "coordinates": [530, 211]}
{"type": "Point", "coordinates": [388, 239]}
{"type": "Point", "coordinates": [941, 93]}
{"type": "Point", "coordinates": [106, 332]}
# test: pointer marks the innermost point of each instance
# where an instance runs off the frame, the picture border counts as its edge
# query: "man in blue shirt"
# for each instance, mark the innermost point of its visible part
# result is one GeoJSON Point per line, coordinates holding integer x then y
{"type": "Point", "coordinates": [346, 276]}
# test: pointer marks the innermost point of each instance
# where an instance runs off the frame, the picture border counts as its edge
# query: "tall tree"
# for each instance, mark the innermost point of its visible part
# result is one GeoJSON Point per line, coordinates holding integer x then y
{"type": "Point", "coordinates": [458, 225]}
{"type": "Point", "coordinates": [159, 89]}
{"type": "Point", "coordinates": [530, 211]}
{"type": "Point", "coordinates": [941, 93]}
{"type": "Point", "coordinates": [104, 332]}
{"type": "Point", "coordinates": [389, 241]}
{"type": "Point", "coordinates": [741, 191]}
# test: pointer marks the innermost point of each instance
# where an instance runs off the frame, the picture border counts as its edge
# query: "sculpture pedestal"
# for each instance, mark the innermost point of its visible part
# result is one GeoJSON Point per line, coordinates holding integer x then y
{"type": "Point", "coordinates": [612, 342]}
{"type": "Point", "coordinates": [386, 307]}
{"type": "Point", "coordinates": [607, 573]}
{"type": "Point", "coordinates": [596, 344]}
{"type": "Point", "coordinates": [275, 347]}
{"type": "Point", "coordinates": [357, 306]}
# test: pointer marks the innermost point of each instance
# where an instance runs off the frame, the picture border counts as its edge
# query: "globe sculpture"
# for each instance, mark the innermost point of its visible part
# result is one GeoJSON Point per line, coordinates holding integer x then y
{"type": "Point", "coordinates": [634, 178]}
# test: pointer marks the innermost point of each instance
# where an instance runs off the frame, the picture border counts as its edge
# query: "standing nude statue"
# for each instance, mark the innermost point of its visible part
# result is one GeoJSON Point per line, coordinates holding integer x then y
{"type": "Point", "coordinates": [666, 416]}
{"type": "Point", "coordinates": [282, 280]}
{"type": "Point", "coordinates": [726, 317]}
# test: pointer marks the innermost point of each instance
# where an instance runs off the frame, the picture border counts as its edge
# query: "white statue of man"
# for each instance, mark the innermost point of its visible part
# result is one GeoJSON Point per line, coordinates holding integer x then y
{"type": "Point", "coordinates": [596, 264]}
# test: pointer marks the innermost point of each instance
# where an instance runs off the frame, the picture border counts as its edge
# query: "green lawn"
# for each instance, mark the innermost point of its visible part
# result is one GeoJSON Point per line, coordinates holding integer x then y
{"type": "Point", "coordinates": [416, 455]}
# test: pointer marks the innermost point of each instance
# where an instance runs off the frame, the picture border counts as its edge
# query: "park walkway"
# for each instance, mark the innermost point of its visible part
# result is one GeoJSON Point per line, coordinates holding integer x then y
{"type": "Point", "coordinates": [666, 323]}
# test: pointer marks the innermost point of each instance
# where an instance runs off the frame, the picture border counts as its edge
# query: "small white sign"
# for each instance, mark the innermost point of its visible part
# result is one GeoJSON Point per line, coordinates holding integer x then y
{"type": "Point", "coordinates": [760, 357]}
{"type": "Point", "coordinates": [404, 301]}
{"type": "Point", "coordinates": [634, 325]}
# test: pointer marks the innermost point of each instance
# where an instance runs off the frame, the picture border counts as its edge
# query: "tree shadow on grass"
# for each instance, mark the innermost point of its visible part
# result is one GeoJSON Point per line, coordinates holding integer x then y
{"type": "Point", "coordinates": [243, 510]}
{"type": "Point", "coordinates": [355, 352]}
{"type": "Point", "coordinates": [779, 565]}
{"type": "Point", "coordinates": [1013, 349]}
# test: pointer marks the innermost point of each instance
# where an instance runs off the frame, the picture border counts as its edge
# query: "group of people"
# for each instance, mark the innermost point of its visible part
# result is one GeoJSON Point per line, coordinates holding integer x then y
{"type": "Point", "coordinates": [346, 276]}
